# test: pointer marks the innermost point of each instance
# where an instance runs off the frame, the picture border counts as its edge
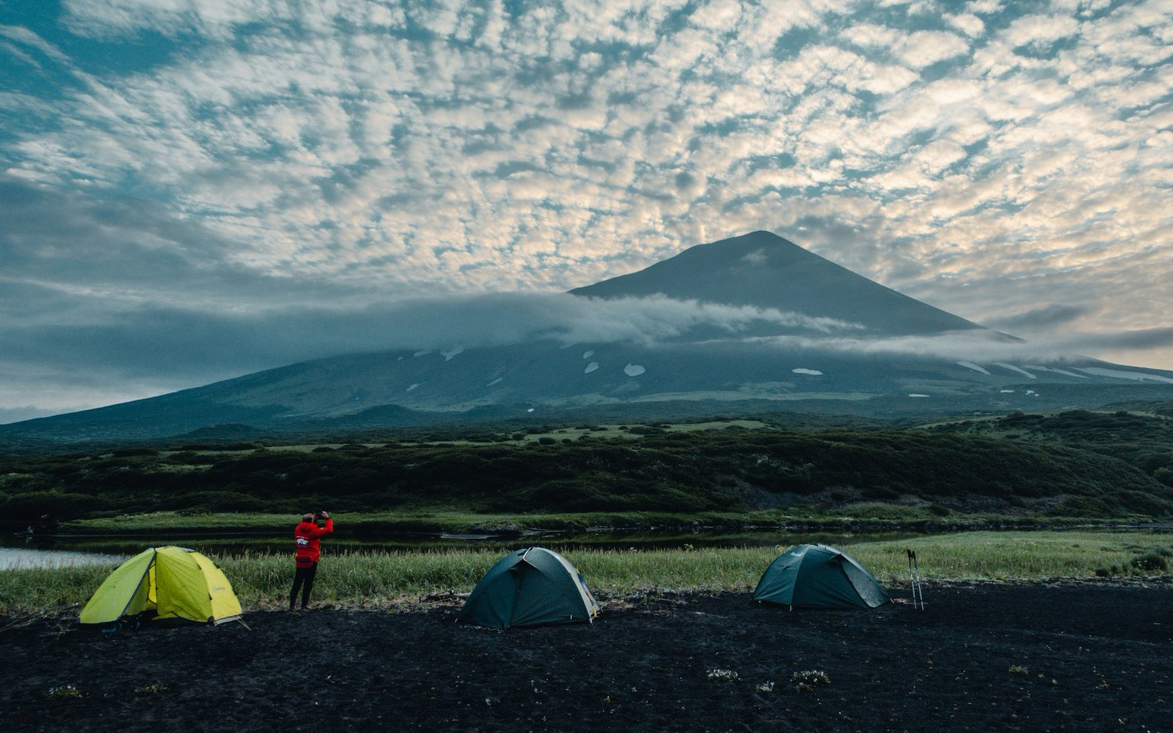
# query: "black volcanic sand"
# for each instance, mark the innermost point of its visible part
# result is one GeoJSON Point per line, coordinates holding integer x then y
{"type": "Point", "coordinates": [1085, 657]}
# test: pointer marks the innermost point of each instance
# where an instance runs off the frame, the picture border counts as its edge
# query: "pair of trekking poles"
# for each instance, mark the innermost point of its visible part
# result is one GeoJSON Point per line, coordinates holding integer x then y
{"type": "Point", "coordinates": [914, 581]}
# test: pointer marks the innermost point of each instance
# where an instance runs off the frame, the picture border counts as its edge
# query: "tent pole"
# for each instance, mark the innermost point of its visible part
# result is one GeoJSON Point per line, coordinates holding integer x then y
{"type": "Point", "coordinates": [911, 582]}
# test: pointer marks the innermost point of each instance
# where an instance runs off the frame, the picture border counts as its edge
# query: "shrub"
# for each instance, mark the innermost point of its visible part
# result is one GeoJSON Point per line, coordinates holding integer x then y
{"type": "Point", "coordinates": [880, 492]}
{"type": "Point", "coordinates": [23, 507]}
{"type": "Point", "coordinates": [131, 452]}
{"type": "Point", "coordinates": [221, 501]}
{"type": "Point", "coordinates": [1151, 561]}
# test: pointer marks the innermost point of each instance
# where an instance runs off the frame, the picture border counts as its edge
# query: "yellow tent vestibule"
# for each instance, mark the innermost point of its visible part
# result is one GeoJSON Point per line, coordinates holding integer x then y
{"type": "Point", "coordinates": [171, 582]}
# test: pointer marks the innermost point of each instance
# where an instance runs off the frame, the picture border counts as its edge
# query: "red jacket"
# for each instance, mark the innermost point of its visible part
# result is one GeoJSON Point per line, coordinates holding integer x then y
{"type": "Point", "coordinates": [308, 536]}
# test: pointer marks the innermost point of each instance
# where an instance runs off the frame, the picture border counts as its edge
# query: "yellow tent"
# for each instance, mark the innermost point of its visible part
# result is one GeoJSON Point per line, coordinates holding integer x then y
{"type": "Point", "coordinates": [173, 582]}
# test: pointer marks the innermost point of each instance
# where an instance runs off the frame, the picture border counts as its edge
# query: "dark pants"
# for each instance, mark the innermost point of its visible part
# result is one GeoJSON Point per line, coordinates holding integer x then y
{"type": "Point", "coordinates": [303, 580]}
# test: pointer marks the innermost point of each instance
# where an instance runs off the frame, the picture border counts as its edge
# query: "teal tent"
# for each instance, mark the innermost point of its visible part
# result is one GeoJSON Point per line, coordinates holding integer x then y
{"type": "Point", "coordinates": [819, 576]}
{"type": "Point", "coordinates": [530, 587]}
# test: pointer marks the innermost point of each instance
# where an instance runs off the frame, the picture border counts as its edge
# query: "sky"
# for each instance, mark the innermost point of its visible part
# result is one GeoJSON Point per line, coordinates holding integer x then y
{"type": "Point", "coordinates": [191, 190]}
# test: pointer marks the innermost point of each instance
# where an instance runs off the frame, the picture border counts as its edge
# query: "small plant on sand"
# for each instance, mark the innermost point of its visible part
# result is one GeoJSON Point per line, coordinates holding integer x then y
{"type": "Point", "coordinates": [808, 680]}
{"type": "Point", "coordinates": [64, 692]}
{"type": "Point", "coordinates": [722, 675]}
{"type": "Point", "coordinates": [151, 689]}
{"type": "Point", "coordinates": [1019, 670]}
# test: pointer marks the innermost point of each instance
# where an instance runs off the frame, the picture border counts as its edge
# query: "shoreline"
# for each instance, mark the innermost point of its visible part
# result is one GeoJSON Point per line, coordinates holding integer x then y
{"type": "Point", "coordinates": [507, 527]}
{"type": "Point", "coordinates": [409, 603]}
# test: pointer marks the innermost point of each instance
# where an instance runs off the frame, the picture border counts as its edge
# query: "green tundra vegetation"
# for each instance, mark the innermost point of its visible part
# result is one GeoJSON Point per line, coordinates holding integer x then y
{"type": "Point", "coordinates": [1144, 439]}
{"type": "Point", "coordinates": [1074, 464]}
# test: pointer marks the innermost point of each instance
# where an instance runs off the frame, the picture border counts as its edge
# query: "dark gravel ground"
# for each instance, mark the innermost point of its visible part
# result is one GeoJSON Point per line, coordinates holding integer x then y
{"type": "Point", "coordinates": [1003, 657]}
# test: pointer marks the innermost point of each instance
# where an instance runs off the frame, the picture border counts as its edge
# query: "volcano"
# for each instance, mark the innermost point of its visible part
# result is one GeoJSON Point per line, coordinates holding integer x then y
{"type": "Point", "coordinates": [817, 338]}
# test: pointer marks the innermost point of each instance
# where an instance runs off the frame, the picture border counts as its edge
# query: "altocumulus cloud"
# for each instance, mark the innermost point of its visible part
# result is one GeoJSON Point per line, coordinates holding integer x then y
{"type": "Point", "coordinates": [261, 158]}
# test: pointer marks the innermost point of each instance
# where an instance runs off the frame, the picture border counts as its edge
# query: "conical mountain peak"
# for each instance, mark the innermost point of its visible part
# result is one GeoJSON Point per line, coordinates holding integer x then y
{"type": "Point", "coordinates": [763, 270]}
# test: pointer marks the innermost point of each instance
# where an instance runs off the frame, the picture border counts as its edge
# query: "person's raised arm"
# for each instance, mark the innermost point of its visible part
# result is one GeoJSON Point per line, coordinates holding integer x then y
{"type": "Point", "coordinates": [328, 529]}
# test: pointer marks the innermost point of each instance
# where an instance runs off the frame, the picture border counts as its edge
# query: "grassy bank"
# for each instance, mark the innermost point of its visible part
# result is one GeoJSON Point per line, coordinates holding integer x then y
{"type": "Point", "coordinates": [375, 580]}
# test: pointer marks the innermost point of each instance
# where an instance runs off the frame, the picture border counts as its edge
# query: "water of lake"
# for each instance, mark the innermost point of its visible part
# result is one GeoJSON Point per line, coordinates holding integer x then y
{"type": "Point", "coordinates": [15, 558]}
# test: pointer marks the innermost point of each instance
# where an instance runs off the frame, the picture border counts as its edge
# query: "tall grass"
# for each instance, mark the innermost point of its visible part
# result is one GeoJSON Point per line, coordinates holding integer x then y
{"type": "Point", "coordinates": [363, 578]}
{"type": "Point", "coordinates": [1019, 555]}
{"type": "Point", "coordinates": [49, 590]}
{"type": "Point", "coordinates": [385, 579]}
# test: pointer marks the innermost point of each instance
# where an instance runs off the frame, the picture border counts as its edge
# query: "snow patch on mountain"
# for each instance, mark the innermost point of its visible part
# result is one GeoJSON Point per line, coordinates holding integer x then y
{"type": "Point", "coordinates": [1013, 368]}
{"type": "Point", "coordinates": [1064, 372]}
{"type": "Point", "coordinates": [975, 367]}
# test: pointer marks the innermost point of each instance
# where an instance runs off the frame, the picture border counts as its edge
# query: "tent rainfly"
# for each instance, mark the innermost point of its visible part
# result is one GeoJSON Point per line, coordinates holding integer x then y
{"type": "Point", "coordinates": [530, 587]}
{"type": "Point", "coordinates": [171, 582]}
{"type": "Point", "coordinates": [819, 576]}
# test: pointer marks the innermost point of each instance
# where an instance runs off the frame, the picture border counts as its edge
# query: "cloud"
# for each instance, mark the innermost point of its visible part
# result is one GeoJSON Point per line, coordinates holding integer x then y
{"type": "Point", "coordinates": [924, 48]}
{"type": "Point", "coordinates": [238, 157]}
{"type": "Point", "coordinates": [1041, 319]}
{"type": "Point", "coordinates": [1149, 338]}
{"type": "Point", "coordinates": [983, 347]}
{"type": "Point", "coordinates": [66, 247]}
{"type": "Point", "coordinates": [17, 414]}
{"type": "Point", "coordinates": [969, 24]}
{"type": "Point", "coordinates": [28, 38]}
{"type": "Point", "coordinates": [1039, 31]}
{"type": "Point", "coordinates": [185, 341]}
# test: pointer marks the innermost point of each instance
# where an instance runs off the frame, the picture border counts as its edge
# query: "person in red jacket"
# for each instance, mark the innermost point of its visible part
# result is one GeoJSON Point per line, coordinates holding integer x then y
{"type": "Point", "coordinates": [308, 536]}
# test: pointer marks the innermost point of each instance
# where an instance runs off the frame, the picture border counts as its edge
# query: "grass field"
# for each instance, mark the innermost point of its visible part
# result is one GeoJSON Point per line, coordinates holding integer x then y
{"type": "Point", "coordinates": [389, 579]}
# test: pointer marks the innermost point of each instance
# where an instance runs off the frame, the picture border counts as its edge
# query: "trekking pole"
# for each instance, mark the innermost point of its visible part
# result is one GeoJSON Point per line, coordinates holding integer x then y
{"type": "Point", "coordinates": [911, 580]}
{"type": "Point", "coordinates": [914, 580]}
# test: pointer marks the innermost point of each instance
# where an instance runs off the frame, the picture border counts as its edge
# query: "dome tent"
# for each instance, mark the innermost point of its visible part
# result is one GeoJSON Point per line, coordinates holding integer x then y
{"type": "Point", "coordinates": [819, 576]}
{"type": "Point", "coordinates": [171, 583]}
{"type": "Point", "coordinates": [529, 587]}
